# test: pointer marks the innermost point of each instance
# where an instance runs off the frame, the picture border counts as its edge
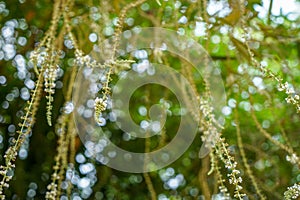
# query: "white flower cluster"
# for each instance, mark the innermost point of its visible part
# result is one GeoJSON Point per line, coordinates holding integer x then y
{"type": "Point", "coordinates": [234, 174]}
{"type": "Point", "coordinates": [292, 192]}
{"type": "Point", "coordinates": [100, 103]}
{"type": "Point", "coordinates": [81, 60]}
{"type": "Point", "coordinates": [10, 156]}
{"type": "Point", "coordinates": [294, 159]}
{"type": "Point", "coordinates": [100, 106]}
{"type": "Point", "coordinates": [52, 191]}
{"type": "Point", "coordinates": [211, 137]}
{"type": "Point", "coordinates": [223, 189]}
{"type": "Point", "coordinates": [292, 97]}
{"type": "Point", "coordinates": [50, 77]}
{"type": "Point", "coordinates": [210, 132]}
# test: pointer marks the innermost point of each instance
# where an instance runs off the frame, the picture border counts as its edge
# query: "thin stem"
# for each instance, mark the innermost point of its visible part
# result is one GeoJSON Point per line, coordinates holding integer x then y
{"type": "Point", "coordinates": [270, 11]}
{"type": "Point", "coordinates": [244, 158]}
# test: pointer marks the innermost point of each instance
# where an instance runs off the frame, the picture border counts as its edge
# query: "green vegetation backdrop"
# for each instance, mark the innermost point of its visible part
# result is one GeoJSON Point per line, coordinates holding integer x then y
{"type": "Point", "coordinates": [254, 145]}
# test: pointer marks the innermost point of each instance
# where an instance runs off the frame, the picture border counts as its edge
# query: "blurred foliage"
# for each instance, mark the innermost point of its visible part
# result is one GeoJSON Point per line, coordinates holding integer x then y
{"type": "Point", "coordinates": [216, 24]}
